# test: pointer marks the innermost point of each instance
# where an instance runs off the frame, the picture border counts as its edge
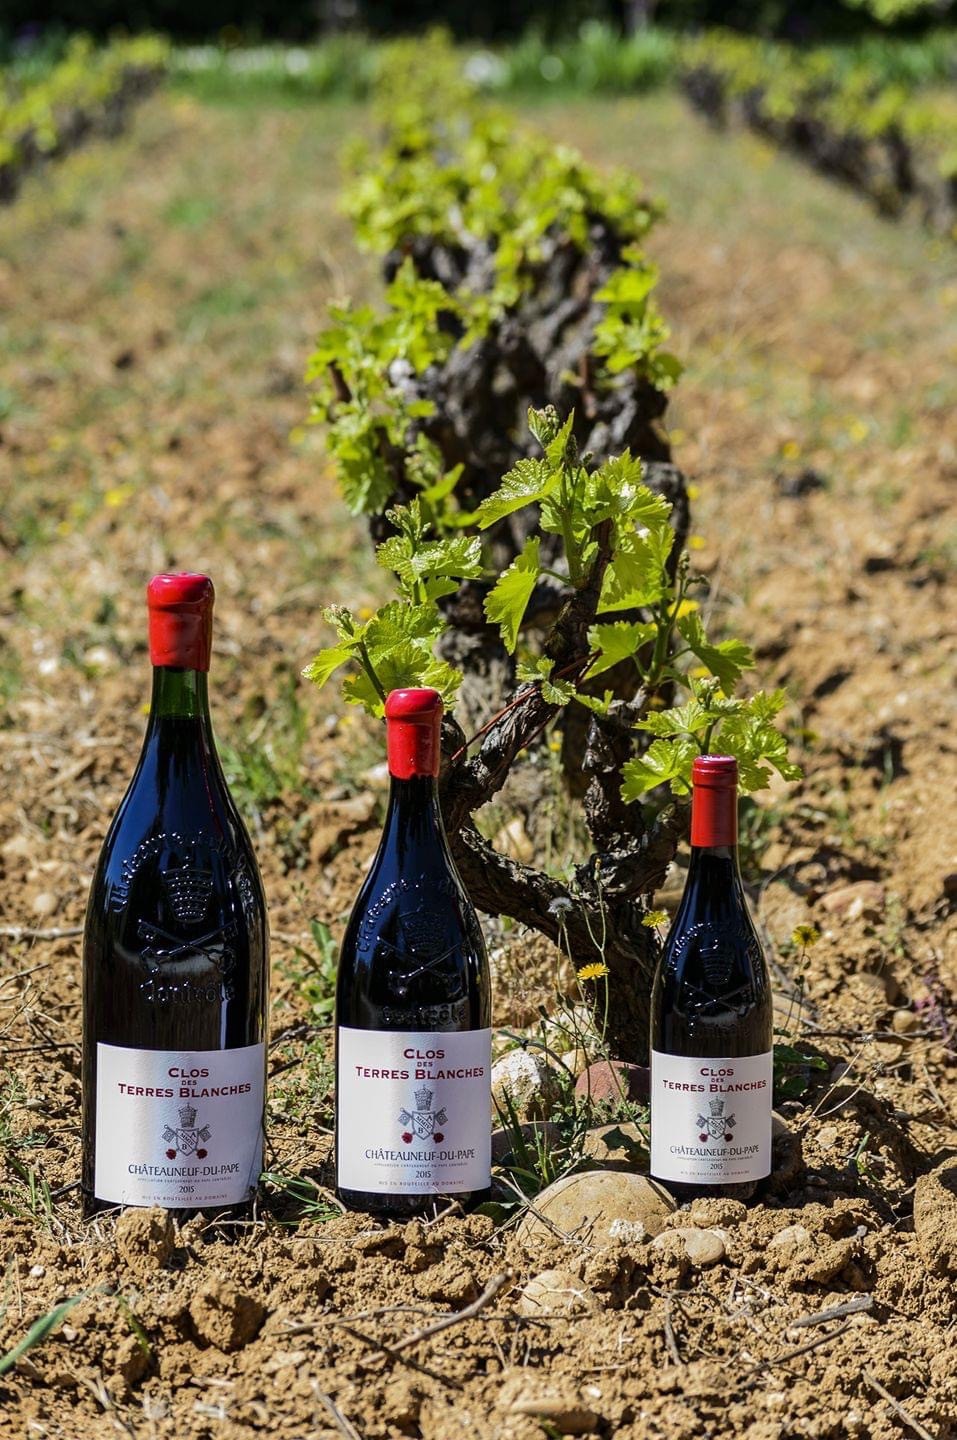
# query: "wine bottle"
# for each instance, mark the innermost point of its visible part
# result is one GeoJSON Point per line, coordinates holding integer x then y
{"type": "Point", "coordinates": [175, 955]}
{"type": "Point", "coordinates": [711, 1021]}
{"type": "Point", "coordinates": [413, 1043]}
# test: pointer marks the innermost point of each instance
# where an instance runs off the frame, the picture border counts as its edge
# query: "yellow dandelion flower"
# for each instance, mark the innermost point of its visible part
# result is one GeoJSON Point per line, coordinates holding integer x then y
{"type": "Point", "coordinates": [790, 450]}
{"type": "Point", "coordinates": [654, 918]}
{"type": "Point", "coordinates": [554, 744]}
{"type": "Point", "coordinates": [694, 491]}
{"type": "Point", "coordinates": [594, 971]}
{"type": "Point", "coordinates": [366, 612]}
{"type": "Point", "coordinates": [805, 936]}
{"type": "Point", "coordinates": [858, 430]}
{"type": "Point", "coordinates": [696, 542]}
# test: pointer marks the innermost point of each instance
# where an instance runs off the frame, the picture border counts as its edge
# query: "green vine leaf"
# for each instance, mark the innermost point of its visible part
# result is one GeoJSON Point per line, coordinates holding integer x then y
{"type": "Point", "coordinates": [506, 603]}
{"type": "Point", "coordinates": [538, 669]}
{"type": "Point", "coordinates": [399, 667]}
{"type": "Point", "coordinates": [664, 762]}
{"type": "Point", "coordinates": [326, 663]}
{"type": "Point", "coordinates": [525, 483]}
{"type": "Point", "coordinates": [617, 641]}
{"type": "Point", "coordinates": [727, 660]}
{"type": "Point", "coordinates": [637, 576]}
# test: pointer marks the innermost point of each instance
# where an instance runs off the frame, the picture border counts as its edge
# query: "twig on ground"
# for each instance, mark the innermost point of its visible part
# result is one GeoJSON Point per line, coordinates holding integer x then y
{"type": "Point", "coordinates": [342, 1422]}
{"type": "Point", "coordinates": [670, 1340]}
{"type": "Point", "coordinates": [896, 1406]}
{"type": "Point", "coordinates": [756, 1370]}
{"type": "Point", "coordinates": [835, 1312]}
{"type": "Point", "coordinates": [392, 1351]}
{"type": "Point", "coordinates": [444, 1322]}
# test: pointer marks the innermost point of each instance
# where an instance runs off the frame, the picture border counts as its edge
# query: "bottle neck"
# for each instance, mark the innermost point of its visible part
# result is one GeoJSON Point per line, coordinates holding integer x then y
{"type": "Point", "coordinates": [178, 695]}
{"type": "Point", "coordinates": [414, 815]}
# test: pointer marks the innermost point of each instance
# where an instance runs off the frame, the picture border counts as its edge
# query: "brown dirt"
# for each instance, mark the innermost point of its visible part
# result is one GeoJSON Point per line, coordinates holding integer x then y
{"type": "Point", "coordinates": [819, 339]}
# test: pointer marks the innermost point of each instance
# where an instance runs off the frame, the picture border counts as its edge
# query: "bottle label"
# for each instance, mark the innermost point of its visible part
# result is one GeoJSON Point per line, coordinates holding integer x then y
{"type": "Point", "coordinates": [414, 1111]}
{"type": "Point", "coordinates": [710, 1118]}
{"type": "Point", "coordinates": [179, 1128]}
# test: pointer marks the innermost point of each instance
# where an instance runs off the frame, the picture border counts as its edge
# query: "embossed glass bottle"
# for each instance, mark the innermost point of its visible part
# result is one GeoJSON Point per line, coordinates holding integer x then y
{"type": "Point", "coordinates": [175, 955]}
{"type": "Point", "coordinates": [413, 1044]}
{"type": "Point", "coordinates": [711, 1025]}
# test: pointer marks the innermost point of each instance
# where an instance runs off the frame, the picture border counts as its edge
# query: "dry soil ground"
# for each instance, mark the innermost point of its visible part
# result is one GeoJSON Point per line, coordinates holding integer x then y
{"type": "Point", "coordinates": [158, 298]}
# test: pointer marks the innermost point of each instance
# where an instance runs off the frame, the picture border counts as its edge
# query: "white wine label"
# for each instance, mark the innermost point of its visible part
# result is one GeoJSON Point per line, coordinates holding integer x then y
{"type": "Point", "coordinates": [180, 1128]}
{"type": "Point", "coordinates": [414, 1111]}
{"type": "Point", "coordinates": [710, 1118]}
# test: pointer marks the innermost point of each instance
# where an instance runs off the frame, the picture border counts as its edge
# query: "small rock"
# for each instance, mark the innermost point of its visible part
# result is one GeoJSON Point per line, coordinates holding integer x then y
{"type": "Point", "coordinates": [531, 1083]}
{"type": "Point", "coordinates": [37, 1270]}
{"type": "Point", "coordinates": [225, 1316]}
{"type": "Point", "coordinates": [355, 809]}
{"type": "Point", "coordinates": [709, 1210]}
{"type": "Point", "coordinates": [557, 1292]}
{"type": "Point", "coordinates": [935, 1218]}
{"type": "Point", "coordinates": [616, 1147]}
{"type": "Point", "coordinates": [18, 847]}
{"type": "Point", "coordinates": [538, 1135]}
{"type": "Point", "coordinates": [827, 1137]}
{"type": "Point", "coordinates": [791, 1235]}
{"type": "Point", "coordinates": [145, 1236]}
{"type": "Point", "coordinates": [869, 988]}
{"type": "Point", "coordinates": [563, 1414]}
{"type": "Point", "coordinates": [45, 903]}
{"type": "Point", "coordinates": [599, 1207]}
{"type": "Point", "coordinates": [613, 1080]}
{"type": "Point", "coordinates": [905, 1022]}
{"type": "Point", "coordinates": [703, 1247]}
{"type": "Point", "coordinates": [863, 899]}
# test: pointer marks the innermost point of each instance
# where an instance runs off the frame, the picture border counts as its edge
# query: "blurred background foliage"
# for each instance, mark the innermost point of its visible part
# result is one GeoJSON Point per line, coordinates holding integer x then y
{"type": "Point", "coordinates": [489, 21]}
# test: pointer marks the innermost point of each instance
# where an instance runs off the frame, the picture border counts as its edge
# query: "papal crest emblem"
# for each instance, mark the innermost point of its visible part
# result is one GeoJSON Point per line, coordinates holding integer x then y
{"type": "Point", "coordinates": [187, 1140]}
{"type": "Point", "coordinates": [716, 1125]}
{"type": "Point", "coordinates": [423, 1121]}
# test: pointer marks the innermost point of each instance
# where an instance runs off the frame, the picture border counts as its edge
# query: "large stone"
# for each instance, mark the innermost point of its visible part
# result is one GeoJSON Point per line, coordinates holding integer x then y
{"type": "Point", "coordinates": [616, 1147]}
{"type": "Point", "coordinates": [864, 899]}
{"type": "Point", "coordinates": [598, 1207]}
{"type": "Point", "coordinates": [611, 1081]}
{"type": "Point", "coordinates": [529, 1081]}
{"type": "Point", "coordinates": [935, 1218]}
{"type": "Point", "coordinates": [557, 1292]}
